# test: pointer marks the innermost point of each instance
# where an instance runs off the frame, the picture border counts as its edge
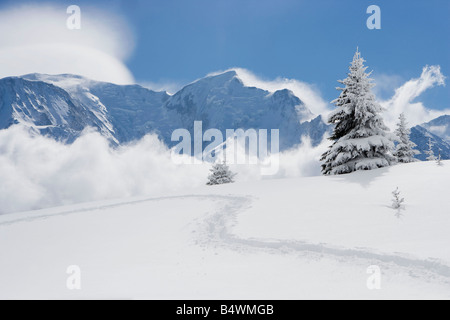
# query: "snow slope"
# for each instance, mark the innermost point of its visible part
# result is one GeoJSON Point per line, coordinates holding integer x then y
{"type": "Point", "coordinates": [273, 239]}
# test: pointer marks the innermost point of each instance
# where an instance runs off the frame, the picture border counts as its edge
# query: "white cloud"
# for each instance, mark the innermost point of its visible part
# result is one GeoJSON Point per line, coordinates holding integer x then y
{"type": "Point", "coordinates": [303, 160]}
{"type": "Point", "coordinates": [38, 172]}
{"type": "Point", "coordinates": [441, 131]}
{"type": "Point", "coordinates": [304, 91]}
{"type": "Point", "coordinates": [403, 99]}
{"type": "Point", "coordinates": [437, 130]}
{"type": "Point", "coordinates": [36, 39]}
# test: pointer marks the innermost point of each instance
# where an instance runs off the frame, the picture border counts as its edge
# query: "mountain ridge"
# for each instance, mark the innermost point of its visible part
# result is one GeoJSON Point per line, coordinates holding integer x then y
{"type": "Point", "coordinates": [124, 113]}
{"type": "Point", "coordinates": [62, 106]}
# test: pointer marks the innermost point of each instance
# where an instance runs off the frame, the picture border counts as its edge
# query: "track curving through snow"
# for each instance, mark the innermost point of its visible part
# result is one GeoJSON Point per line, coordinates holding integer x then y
{"type": "Point", "coordinates": [216, 229]}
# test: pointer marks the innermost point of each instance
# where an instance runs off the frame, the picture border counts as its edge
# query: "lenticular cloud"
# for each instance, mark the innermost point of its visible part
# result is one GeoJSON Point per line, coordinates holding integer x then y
{"type": "Point", "coordinates": [44, 44]}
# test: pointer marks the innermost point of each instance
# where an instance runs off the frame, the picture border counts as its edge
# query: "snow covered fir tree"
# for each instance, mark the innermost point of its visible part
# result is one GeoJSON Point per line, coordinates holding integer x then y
{"type": "Point", "coordinates": [220, 174]}
{"type": "Point", "coordinates": [404, 151]}
{"type": "Point", "coordinates": [361, 139]}
{"type": "Point", "coordinates": [438, 159]}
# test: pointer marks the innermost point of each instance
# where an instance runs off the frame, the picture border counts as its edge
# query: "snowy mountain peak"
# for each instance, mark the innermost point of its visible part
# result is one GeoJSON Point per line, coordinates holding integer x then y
{"type": "Point", "coordinates": [221, 81]}
{"type": "Point", "coordinates": [223, 101]}
{"type": "Point", "coordinates": [224, 76]}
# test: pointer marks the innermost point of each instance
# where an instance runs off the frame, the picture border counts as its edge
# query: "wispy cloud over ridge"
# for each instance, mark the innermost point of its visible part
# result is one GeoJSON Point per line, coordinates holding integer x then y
{"type": "Point", "coordinates": [404, 98]}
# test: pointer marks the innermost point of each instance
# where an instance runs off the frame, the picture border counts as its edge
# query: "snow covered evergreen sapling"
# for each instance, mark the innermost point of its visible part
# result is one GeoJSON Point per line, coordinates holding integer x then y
{"type": "Point", "coordinates": [429, 152]}
{"type": "Point", "coordinates": [220, 174]}
{"type": "Point", "coordinates": [397, 202]}
{"type": "Point", "coordinates": [404, 151]}
{"type": "Point", "coordinates": [438, 160]}
{"type": "Point", "coordinates": [361, 140]}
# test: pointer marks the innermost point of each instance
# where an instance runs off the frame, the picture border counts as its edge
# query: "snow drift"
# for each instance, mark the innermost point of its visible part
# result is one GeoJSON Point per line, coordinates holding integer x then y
{"type": "Point", "coordinates": [302, 238]}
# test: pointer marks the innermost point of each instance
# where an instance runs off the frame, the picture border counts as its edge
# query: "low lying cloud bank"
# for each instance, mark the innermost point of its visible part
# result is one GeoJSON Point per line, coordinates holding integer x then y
{"type": "Point", "coordinates": [39, 172]}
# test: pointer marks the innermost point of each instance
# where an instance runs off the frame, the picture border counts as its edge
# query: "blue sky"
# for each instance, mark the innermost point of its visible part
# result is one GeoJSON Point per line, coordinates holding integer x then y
{"type": "Point", "coordinates": [178, 41]}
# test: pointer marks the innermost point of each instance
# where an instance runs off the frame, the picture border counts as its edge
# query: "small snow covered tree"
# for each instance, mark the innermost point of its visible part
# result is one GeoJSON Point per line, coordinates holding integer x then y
{"type": "Point", "coordinates": [438, 160]}
{"type": "Point", "coordinates": [220, 174]}
{"type": "Point", "coordinates": [397, 202]}
{"type": "Point", "coordinates": [429, 152]}
{"type": "Point", "coordinates": [404, 152]}
{"type": "Point", "coordinates": [361, 140]}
